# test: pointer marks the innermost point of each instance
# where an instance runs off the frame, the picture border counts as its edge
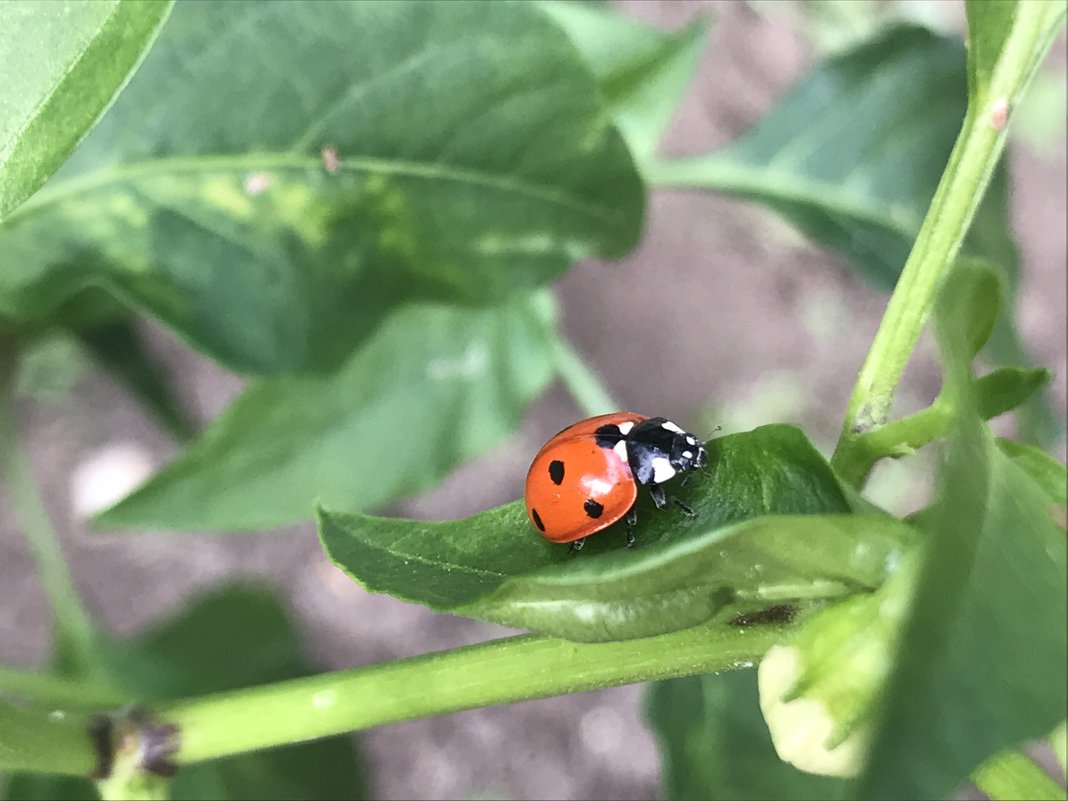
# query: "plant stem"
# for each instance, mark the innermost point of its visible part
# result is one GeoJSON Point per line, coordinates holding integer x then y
{"type": "Point", "coordinates": [1012, 775]}
{"type": "Point", "coordinates": [74, 629]}
{"type": "Point", "coordinates": [971, 165]}
{"type": "Point", "coordinates": [25, 685]}
{"type": "Point", "coordinates": [41, 741]}
{"type": "Point", "coordinates": [995, 393]}
{"type": "Point", "coordinates": [587, 390]}
{"type": "Point", "coordinates": [498, 672]}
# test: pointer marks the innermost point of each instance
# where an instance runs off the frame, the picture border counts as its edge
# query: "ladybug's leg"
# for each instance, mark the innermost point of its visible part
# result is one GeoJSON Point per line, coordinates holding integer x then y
{"type": "Point", "coordinates": [659, 498]}
{"type": "Point", "coordinates": [632, 521]}
{"type": "Point", "coordinates": [686, 510]}
{"type": "Point", "coordinates": [686, 479]}
{"type": "Point", "coordinates": [576, 545]}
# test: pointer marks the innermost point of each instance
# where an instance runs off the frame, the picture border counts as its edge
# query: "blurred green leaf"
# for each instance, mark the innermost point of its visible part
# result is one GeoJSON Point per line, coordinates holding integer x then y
{"type": "Point", "coordinates": [494, 566]}
{"type": "Point", "coordinates": [63, 63]}
{"type": "Point", "coordinates": [714, 743]}
{"type": "Point", "coordinates": [435, 386]}
{"type": "Point", "coordinates": [982, 662]}
{"type": "Point", "coordinates": [852, 153]}
{"type": "Point", "coordinates": [204, 196]}
{"type": "Point", "coordinates": [642, 71]}
{"type": "Point", "coordinates": [119, 349]}
{"type": "Point", "coordinates": [231, 638]}
{"type": "Point", "coordinates": [1043, 469]}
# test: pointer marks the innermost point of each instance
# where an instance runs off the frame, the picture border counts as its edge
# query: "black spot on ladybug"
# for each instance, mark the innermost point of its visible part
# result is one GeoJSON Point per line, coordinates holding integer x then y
{"type": "Point", "coordinates": [593, 509]}
{"type": "Point", "coordinates": [556, 471]}
{"type": "Point", "coordinates": [607, 436]}
{"type": "Point", "coordinates": [537, 519]}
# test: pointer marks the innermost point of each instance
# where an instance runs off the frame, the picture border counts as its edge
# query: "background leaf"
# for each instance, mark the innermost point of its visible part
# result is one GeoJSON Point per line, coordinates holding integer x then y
{"type": "Point", "coordinates": [982, 662]}
{"type": "Point", "coordinates": [642, 71]}
{"type": "Point", "coordinates": [234, 637]}
{"type": "Point", "coordinates": [198, 201]}
{"type": "Point", "coordinates": [851, 156]}
{"type": "Point", "coordinates": [493, 566]}
{"type": "Point", "coordinates": [714, 743]}
{"type": "Point", "coordinates": [63, 63]}
{"type": "Point", "coordinates": [436, 385]}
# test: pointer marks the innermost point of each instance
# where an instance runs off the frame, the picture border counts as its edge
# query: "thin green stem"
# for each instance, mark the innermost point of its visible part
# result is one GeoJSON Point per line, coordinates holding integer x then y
{"type": "Point", "coordinates": [587, 390]}
{"type": "Point", "coordinates": [74, 629]}
{"type": "Point", "coordinates": [45, 689]}
{"type": "Point", "coordinates": [46, 741]}
{"type": "Point", "coordinates": [959, 193]}
{"type": "Point", "coordinates": [1012, 775]}
{"type": "Point", "coordinates": [995, 393]}
{"type": "Point", "coordinates": [499, 672]}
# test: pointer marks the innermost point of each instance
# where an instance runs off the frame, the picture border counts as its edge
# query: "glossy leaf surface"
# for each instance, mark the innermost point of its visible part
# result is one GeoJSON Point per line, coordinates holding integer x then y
{"type": "Point", "coordinates": [264, 187]}
{"type": "Point", "coordinates": [771, 527]}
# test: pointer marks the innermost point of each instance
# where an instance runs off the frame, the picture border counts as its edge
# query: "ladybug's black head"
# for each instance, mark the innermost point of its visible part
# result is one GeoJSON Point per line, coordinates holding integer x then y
{"type": "Point", "coordinates": [687, 453]}
{"type": "Point", "coordinates": [658, 450]}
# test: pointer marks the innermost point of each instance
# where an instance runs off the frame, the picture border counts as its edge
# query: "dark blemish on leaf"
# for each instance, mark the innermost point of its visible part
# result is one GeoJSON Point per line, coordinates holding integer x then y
{"type": "Point", "coordinates": [537, 519]}
{"type": "Point", "coordinates": [783, 613]}
{"type": "Point", "coordinates": [556, 471]}
{"type": "Point", "coordinates": [593, 509]}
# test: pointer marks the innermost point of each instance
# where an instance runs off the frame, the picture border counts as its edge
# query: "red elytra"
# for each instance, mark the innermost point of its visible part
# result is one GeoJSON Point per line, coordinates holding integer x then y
{"type": "Point", "coordinates": [575, 486]}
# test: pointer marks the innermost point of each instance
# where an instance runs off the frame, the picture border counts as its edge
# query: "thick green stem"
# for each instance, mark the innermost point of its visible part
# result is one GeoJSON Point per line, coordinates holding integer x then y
{"type": "Point", "coordinates": [587, 390]}
{"type": "Point", "coordinates": [1012, 775]}
{"type": "Point", "coordinates": [499, 672]}
{"type": "Point", "coordinates": [74, 629]}
{"type": "Point", "coordinates": [959, 193]}
{"type": "Point", "coordinates": [46, 741]}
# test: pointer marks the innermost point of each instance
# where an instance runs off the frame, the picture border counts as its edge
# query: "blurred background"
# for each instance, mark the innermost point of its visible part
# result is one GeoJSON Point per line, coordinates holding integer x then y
{"type": "Point", "coordinates": [722, 316]}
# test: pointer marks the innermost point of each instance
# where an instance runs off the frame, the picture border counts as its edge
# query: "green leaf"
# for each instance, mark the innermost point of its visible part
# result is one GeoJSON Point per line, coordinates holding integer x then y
{"type": "Point", "coordinates": [231, 638]}
{"type": "Point", "coordinates": [203, 196]}
{"type": "Point", "coordinates": [63, 63]}
{"type": "Point", "coordinates": [752, 543]}
{"type": "Point", "coordinates": [714, 743]}
{"type": "Point", "coordinates": [435, 386]}
{"type": "Point", "coordinates": [979, 291]}
{"type": "Point", "coordinates": [989, 25]}
{"type": "Point", "coordinates": [1043, 469]}
{"type": "Point", "coordinates": [119, 349]}
{"type": "Point", "coordinates": [982, 662]}
{"type": "Point", "coordinates": [642, 71]}
{"type": "Point", "coordinates": [852, 153]}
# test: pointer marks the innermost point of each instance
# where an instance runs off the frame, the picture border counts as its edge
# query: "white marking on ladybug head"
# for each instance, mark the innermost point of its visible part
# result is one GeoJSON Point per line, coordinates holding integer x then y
{"type": "Point", "coordinates": [669, 426]}
{"type": "Point", "coordinates": [690, 440]}
{"type": "Point", "coordinates": [662, 470]}
{"type": "Point", "coordinates": [688, 454]}
{"type": "Point", "coordinates": [621, 449]}
{"type": "Point", "coordinates": [624, 428]}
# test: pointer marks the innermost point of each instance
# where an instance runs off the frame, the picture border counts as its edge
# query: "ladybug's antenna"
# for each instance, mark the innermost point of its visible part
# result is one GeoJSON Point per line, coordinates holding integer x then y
{"type": "Point", "coordinates": [708, 436]}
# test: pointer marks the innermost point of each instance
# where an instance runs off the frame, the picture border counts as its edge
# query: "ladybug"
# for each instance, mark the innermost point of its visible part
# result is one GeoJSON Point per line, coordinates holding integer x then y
{"type": "Point", "coordinates": [586, 477]}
